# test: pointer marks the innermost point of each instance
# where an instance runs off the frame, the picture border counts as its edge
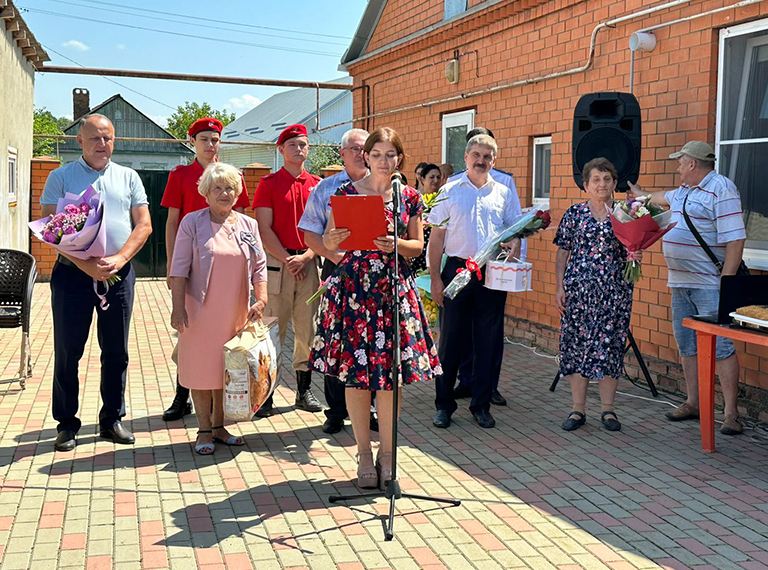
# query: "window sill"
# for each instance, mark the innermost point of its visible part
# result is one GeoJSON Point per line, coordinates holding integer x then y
{"type": "Point", "coordinates": [756, 259]}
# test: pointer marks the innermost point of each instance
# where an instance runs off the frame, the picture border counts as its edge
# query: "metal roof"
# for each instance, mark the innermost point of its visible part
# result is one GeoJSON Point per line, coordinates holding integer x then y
{"type": "Point", "coordinates": [264, 122]}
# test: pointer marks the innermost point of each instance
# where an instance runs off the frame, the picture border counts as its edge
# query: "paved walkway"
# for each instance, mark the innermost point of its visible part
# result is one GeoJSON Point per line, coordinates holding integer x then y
{"type": "Point", "coordinates": [532, 495]}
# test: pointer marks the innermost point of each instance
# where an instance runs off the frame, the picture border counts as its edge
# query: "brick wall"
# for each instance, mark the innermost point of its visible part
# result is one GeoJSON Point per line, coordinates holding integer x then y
{"type": "Point", "coordinates": [44, 255]}
{"type": "Point", "coordinates": [675, 85]}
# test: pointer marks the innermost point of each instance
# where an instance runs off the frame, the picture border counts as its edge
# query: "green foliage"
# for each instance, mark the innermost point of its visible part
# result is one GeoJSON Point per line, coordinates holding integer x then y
{"type": "Point", "coordinates": [188, 113]}
{"type": "Point", "coordinates": [47, 124]}
{"type": "Point", "coordinates": [320, 157]}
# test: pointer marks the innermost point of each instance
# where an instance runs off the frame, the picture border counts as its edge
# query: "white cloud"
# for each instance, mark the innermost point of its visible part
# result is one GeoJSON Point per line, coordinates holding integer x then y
{"type": "Point", "coordinates": [161, 120]}
{"type": "Point", "coordinates": [242, 104]}
{"type": "Point", "coordinates": [120, 46]}
{"type": "Point", "coordinates": [79, 46]}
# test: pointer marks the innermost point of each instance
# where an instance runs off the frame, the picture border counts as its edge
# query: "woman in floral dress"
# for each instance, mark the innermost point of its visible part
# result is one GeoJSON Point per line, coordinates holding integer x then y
{"type": "Point", "coordinates": [594, 300]}
{"type": "Point", "coordinates": [354, 341]}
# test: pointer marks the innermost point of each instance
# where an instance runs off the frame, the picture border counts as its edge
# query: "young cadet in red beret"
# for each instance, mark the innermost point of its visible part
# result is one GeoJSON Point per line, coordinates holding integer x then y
{"type": "Point", "coordinates": [181, 198]}
{"type": "Point", "coordinates": [292, 273]}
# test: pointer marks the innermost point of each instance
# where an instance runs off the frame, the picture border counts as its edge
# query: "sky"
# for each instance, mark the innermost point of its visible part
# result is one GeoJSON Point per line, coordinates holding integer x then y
{"type": "Point", "coordinates": [302, 40]}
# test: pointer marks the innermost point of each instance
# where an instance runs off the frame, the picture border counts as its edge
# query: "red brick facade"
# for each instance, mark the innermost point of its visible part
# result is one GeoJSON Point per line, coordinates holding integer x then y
{"type": "Point", "coordinates": [676, 85]}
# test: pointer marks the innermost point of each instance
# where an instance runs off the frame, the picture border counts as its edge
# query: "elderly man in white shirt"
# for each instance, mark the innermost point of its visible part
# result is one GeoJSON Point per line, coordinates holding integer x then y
{"type": "Point", "coordinates": [476, 207]}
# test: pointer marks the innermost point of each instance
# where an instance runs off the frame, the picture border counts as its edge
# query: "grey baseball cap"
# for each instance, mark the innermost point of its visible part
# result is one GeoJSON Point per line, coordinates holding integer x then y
{"type": "Point", "coordinates": [696, 149]}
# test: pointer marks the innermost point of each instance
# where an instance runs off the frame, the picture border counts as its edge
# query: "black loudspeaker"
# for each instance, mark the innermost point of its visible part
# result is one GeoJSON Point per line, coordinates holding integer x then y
{"type": "Point", "coordinates": [607, 125]}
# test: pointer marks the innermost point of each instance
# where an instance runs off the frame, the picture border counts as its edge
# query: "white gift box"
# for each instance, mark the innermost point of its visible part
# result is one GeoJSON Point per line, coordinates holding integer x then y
{"type": "Point", "coordinates": [512, 276]}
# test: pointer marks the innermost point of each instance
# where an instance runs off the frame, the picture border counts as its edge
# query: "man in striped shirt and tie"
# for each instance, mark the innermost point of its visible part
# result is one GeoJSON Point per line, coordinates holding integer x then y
{"type": "Point", "coordinates": [713, 205]}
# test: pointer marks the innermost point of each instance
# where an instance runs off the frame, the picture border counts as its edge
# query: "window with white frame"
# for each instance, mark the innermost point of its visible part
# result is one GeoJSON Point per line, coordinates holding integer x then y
{"type": "Point", "coordinates": [455, 129]}
{"type": "Point", "coordinates": [742, 128]}
{"type": "Point", "coordinates": [13, 157]}
{"type": "Point", "coordinates": [453, 7]}
{"type": "Point", "coordinates": [542, 163]}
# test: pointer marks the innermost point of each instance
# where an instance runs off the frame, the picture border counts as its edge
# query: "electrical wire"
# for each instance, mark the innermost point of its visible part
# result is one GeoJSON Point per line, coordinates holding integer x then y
{"type": "Point", "coordinates": [196, 23]}
{"type": "Point", "coordinates": [313, 33]}
{"type": "Point", "coordinates": [50, 49]}
{"type": "Point", "coordinates": [179, 34]}
{"type": "Point", "coordinates": [760, 429]}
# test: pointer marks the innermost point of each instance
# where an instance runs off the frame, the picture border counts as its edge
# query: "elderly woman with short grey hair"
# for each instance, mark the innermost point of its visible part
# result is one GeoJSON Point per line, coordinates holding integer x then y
{"type": "Point", "coordinates": [217, 257]}
{"type": "Point", "coordinates": [593, 298]}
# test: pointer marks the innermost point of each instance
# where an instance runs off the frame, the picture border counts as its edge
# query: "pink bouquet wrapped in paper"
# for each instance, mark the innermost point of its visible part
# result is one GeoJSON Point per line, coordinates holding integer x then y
{"type": "Point", "coordinates": [638, 224]}
{"type": "Point", "coordinates": [77, 229]}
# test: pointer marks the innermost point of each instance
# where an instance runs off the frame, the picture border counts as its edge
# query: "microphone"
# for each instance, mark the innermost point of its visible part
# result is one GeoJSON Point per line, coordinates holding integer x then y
{"type": "Point", "coordinates": [397, 182]}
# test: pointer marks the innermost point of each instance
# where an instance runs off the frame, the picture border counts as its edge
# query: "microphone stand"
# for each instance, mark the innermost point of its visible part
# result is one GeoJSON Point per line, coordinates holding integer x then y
{"type": "Point", "coordinates": [393, 491]}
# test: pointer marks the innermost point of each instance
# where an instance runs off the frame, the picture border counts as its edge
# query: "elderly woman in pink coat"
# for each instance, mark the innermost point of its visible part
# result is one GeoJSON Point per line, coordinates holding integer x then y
{"type": "Point", "coordinates": [218, 255]}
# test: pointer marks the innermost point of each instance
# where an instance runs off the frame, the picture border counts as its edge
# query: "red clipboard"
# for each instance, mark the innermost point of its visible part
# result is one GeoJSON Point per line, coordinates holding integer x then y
{"type": "Point", "coordinates": [363, 216]}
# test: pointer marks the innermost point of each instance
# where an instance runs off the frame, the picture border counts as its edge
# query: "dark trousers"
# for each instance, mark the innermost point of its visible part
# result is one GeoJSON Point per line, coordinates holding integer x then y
{"type": "Point", "coordinates": [73, 302]}
{"type": "Point", "coordinates": [475, 317]}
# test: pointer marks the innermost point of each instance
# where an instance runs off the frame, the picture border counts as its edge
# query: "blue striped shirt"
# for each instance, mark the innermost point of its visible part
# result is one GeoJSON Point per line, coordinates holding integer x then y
{"type": "Point", "coordinates": [714, 207]}
{"type": "Point", "coordinates": [318, 208]}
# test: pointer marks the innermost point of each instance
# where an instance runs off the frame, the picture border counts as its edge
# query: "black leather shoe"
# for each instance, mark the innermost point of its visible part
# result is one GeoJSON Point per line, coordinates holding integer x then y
{"type": "Point", "coordinates": [374, 425]}
{"type": "Point", "coordinates": [180, 407]}
{"type": "Point", "coordinates": [308, 402]}
{"type": "Point", "coordinates": [462, 391]}
{"type": "Point", "coordinates": [571, 424]}
{"type": "Point", "coordinates": [497, 399]}
{"type": "Point", "coordinates": [118, 433]}
{"type": "Point", "coordinates": [332, 426]}
{"type": "Point", "coordinates": [65, 441]}
{"type": "Point", "coordinates": [442, 419]}
{"type": "Point", "coordinates": [484, 419]}
{"type": "Point", "coordinates": [611, 423]}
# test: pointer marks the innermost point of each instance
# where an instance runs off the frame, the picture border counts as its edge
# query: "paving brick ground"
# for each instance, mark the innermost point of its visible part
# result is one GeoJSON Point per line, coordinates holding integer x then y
{"type": "Point", "coordinates": [532, 495]}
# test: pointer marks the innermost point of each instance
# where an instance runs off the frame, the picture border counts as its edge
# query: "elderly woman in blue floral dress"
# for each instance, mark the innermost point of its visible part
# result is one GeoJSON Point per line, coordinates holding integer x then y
{"type": "Point", "coordinates": [594, 300]}
{"type": "Point", "coordinates": [354, 340]}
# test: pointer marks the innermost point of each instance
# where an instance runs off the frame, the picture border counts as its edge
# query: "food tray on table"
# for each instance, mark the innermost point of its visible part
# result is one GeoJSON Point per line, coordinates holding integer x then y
{"type": "Point", "coordinates": [750, 322]}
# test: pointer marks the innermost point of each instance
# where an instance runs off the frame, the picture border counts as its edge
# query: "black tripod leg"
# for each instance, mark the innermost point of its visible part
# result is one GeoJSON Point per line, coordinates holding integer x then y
{"type": "Point", "coordinates": [641, 362]}
{"type": "Point", "coordinates": [554, 382]}
{"type": "Point", "coordinates": [454, 502]}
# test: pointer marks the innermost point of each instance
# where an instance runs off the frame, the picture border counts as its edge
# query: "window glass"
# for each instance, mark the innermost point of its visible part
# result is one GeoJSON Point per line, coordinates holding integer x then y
{"type": "Point", "coordinates": [454, 7]}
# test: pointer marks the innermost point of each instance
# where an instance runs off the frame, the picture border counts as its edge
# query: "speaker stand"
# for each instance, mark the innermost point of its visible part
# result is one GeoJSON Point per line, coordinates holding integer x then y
{"type": "Point", "coordinates": [633, 345]}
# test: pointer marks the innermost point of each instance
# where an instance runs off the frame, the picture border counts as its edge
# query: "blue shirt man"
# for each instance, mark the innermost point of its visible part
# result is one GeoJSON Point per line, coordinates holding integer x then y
{"type": "Point", "coordinates": [313, 222]}
{"type": "Point", "coordinates": [74, 281]}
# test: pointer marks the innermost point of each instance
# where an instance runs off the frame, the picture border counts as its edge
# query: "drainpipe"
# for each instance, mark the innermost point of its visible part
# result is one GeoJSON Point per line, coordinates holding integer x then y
{"type": "Point", "coordinates": [573, 71]}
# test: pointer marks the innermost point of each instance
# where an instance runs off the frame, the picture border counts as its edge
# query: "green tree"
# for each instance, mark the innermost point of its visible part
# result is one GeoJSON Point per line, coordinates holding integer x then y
{"type": "Point", "coordinates": [188, 113]}
{"type": "Point", "coordinates": [321, 156]}
{"type": "Point", "coordinates": [47, 124]}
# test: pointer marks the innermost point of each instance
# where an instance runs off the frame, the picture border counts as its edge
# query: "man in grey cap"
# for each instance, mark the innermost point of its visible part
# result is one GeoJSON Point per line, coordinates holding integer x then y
{"type": "Point", "coordinates": [713, 204]}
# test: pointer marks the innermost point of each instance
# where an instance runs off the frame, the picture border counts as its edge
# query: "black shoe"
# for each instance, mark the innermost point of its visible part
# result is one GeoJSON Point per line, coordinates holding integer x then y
{"type": "Point", "coordinates": [484, 419]}
{"type": "Point", "coordinates": [497, 399]}
{"type": "Point", "coordinates": [267, 410]}
{"type": "Point", "coordinates": [65, 441]}
{"type": "Point", "coordinates": [332, 426]}
{"type": "Point", "coordinates": [610, 423]}
{"type": "Point", "coordinates": [374, 425]}
{"type": "Point", "coordinates": [571, 424]}
{"type": "Point", "coordinates": [308, 402]}
{"type": "Point", "coordinates": [118, 433]}
{"type": "Point", "coordinates": [462, 391]}
{"type": "Point", "coordinates": [442, 419]}
{"type": "Point", "coordinates": [305, 399]}
{"type": "Point", "coordinates": [180, 407]}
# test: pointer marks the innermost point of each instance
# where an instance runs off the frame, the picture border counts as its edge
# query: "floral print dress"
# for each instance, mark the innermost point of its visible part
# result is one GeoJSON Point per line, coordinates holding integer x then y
{"type": "Point", "coordinates": [598, 301]}
{"type": "Point", "coordinates": [354, 339]}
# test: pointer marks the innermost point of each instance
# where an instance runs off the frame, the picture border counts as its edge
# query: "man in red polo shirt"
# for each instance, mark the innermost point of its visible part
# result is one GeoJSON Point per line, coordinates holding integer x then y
{"type": "Point", "coordinates": [293, 278]}
{"type": "Point", "coordinates": [181, 198]}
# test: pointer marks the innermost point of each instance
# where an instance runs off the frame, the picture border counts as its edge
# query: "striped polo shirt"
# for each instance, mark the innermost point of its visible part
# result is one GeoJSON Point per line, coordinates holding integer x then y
{"type": "Point", "coordinates": [714, 207]}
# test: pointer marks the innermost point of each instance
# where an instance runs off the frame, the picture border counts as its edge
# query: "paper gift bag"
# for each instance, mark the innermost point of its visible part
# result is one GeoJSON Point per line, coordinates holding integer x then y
{"type": "Point", "coordinates": [512, 276]}
{"type": "Point", "coordinates": [251, 361]}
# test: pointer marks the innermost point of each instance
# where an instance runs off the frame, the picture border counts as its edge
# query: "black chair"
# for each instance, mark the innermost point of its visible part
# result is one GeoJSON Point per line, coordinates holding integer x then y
{"type": "Point", "coordinates": [18, 272]}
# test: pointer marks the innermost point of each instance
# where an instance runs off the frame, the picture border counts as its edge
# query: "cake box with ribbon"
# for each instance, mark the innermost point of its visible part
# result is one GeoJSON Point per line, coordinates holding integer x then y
{"type": "Point", "coordinates": [512, 276]}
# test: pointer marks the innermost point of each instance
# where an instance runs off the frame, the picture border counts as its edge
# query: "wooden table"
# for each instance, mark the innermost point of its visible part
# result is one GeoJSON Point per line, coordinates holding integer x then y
{"type": "Point", "coordinates": [705, 341]}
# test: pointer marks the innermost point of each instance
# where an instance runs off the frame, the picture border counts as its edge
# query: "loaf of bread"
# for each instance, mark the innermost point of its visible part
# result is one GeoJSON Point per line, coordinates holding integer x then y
{"type": "Point", "coordinates": [754, 312]}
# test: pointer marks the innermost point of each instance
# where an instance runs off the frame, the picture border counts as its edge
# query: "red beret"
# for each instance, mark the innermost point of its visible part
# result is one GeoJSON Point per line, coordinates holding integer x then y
{"type": "Point", "coordinates": [206, 124]}
{"type": "Point", "coordinates": [291, 132]}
